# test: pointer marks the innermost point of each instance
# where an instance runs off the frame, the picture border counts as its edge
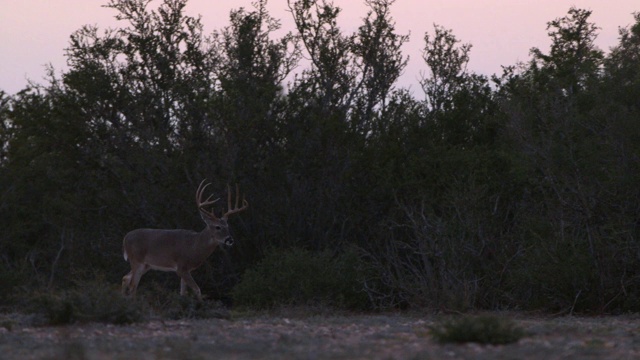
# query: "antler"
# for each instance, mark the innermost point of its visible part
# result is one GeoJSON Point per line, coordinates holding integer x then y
{"type": "Point", "coordinates": [201, 204]}
{"type": "Point", "coordinates": [235, 209]}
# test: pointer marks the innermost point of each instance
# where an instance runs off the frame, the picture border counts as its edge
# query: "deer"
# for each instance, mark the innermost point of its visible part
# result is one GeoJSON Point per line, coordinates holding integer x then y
{"type": "Point", "coordinates": [180, 251]}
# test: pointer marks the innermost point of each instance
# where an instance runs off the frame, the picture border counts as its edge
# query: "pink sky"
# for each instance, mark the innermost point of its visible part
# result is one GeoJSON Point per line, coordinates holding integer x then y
{"type": "Point", "coordinates": [35, 32]}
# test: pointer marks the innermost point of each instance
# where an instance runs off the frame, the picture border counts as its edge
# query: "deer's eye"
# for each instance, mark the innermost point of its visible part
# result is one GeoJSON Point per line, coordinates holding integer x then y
{"type": "Point", "coordinates": [218, 227]}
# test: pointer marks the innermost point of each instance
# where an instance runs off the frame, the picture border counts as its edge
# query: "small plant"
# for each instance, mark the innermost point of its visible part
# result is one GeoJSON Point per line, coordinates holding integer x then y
{"type": "Point", "coordinates": [484, 329]}
{"type": "Point", "coordinates": [172, 305]}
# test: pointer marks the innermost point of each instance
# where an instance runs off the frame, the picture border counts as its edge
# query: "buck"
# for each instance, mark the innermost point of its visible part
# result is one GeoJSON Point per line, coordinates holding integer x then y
{"type": "Point", "coordinates": [179, 250]}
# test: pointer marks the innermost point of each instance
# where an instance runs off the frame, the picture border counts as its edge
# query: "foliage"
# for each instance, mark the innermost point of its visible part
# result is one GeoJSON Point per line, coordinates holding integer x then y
{"type": "Point", "coordinates": [88, 302]}
{"type": "Point", "coordinates": [518, 191]}
{"type": "Point", "coordinates": [484, 329]}
{"type": "Point", "coordinates": [171, 305]}
{"type": "Point", "coordinates": [300, 277]}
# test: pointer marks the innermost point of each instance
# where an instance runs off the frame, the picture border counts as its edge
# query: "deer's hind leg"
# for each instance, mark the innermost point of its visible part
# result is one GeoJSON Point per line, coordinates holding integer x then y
{"type": "Point", "coordinates": [131, 281]}
{"type": "Point", "coordinates": [126, 283]}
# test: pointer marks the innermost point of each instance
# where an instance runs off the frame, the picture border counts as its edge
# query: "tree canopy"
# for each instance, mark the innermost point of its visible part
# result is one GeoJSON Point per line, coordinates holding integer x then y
{"type": "Point", "coordinates": [518, 190]}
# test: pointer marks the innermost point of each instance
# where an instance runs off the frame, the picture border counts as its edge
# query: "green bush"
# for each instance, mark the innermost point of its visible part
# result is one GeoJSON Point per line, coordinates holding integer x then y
{"type": "Point", "coordinates": [560, 274]}
{"type": "Point", "coordinates": [89, 302]}
{"type": "Point", "coordinates": [484, 329]}
{"type": "Point", "coordinates": [300, 277]}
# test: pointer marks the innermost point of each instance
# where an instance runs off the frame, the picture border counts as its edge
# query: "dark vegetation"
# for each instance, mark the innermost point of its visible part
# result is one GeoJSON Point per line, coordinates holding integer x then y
{"type": "Point", "coordinates": [518, 191]}
{"type": "Point", "coordinates": [483, 329]}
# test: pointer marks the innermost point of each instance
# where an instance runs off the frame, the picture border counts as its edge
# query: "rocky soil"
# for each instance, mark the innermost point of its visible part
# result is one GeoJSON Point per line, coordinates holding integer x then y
{"type": "Point", "coordinates": [388, 336]}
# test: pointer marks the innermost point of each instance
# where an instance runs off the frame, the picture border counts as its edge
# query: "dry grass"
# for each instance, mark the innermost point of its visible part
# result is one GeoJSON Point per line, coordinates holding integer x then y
{"type": "Point", "coordinates": [295, 335]}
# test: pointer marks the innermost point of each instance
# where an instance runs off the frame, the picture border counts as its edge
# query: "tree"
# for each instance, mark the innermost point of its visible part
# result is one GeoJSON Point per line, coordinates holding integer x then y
{"type": "Point", "coordinates": [565, 125]}
{"type": "Point", "coordinates": [5, 125]}
{"type": "Point", "coordinates": [251, 106]}
{"type": "Point", "coordinates": [126, 115]}
{"type": "Point", "coordinates": [459, 106]}
{"type": "Point", "coordinates": [448, 65]}
{"type": "Point", "coordinates": [621, 66]}
{"type": "Point", "coordinates": [253, 67]}
{"type": "Point", "coordinates": [573, 57]}
{"type": "Point", "coordinates": [380, 61]}
{"type": "Point", "coordinates": [332, 77]}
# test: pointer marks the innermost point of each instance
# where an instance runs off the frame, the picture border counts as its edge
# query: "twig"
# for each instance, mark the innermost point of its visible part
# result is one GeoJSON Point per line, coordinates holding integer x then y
{"type": "Point", "coordinates": [574, 302]}
{"type": "Point", "coordinates": [55, 261]}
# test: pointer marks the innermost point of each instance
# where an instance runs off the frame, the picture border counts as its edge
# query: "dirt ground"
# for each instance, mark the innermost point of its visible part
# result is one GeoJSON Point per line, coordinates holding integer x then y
{"type": "Point", "coordinates": [389, 336]}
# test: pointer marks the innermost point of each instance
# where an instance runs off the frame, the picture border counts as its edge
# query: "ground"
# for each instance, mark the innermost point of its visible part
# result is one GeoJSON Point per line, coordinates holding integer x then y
{"type": "Point", "coordinates": [387, 336]}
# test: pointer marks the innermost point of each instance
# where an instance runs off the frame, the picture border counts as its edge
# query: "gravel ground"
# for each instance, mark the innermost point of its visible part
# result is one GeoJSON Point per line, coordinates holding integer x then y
{"type": "Point", "coordinates": [390, 336]}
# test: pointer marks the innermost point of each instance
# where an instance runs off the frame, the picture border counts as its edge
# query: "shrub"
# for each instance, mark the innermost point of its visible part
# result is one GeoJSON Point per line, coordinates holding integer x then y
{"type": "Point", "coordinates": [171, 305]}
{"type": "Point", "coordinates": [301, 277]}
{"type": "Point", "coordinates": [88, 302]}
{"type": "Point", "coordinates": [485, 329]}
{"type": "Point", "coordinates": [182, 307]}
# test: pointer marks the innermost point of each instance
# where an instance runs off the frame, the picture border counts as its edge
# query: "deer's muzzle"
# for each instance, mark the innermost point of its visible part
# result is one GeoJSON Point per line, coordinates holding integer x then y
{"type": "Point", "coordinates": [228, 241]}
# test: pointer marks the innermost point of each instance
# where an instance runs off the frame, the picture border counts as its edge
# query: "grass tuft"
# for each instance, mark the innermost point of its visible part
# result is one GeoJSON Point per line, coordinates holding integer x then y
{"type": "Point", "coordinates": [485, 329]}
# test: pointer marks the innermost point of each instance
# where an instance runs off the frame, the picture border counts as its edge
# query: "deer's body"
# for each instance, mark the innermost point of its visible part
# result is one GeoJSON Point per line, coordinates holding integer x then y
{"type": "Point", "coordinates": [177, 250]}
{"type": "Point", "coordinates": [168, 250]}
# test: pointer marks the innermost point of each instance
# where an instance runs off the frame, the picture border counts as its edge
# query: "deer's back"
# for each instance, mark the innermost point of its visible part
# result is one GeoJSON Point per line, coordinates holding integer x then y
{"type": "Point", "coordinates": [144, 242]}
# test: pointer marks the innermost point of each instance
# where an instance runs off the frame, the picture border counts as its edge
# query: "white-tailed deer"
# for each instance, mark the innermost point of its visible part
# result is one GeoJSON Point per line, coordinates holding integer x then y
{"type": "Point", "coordinates": [178, 250]}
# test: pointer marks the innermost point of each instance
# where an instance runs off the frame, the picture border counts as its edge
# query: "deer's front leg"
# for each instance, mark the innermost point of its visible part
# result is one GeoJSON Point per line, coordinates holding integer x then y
{"type": "Point", "coordinates": [183, 287]}
{"type": "Point", "coordinates": [187, 280]}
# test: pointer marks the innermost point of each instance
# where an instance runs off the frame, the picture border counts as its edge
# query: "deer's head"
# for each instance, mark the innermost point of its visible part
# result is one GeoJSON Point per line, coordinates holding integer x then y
{"type": "Point", "coordinates": [218, 226]}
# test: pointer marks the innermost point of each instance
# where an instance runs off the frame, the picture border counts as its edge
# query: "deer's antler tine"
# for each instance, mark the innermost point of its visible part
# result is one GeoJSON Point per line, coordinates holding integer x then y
{"type": "Point", "coordinates": [201, 204]}
{"type": "Point", "coordinates": [199, 192]}
{"type": "Point", "coordinates": [208, 201]}
{"type": "Point", "coordinates": [236, 208]}
{"type": "Point", "coordinates": [203, 188]}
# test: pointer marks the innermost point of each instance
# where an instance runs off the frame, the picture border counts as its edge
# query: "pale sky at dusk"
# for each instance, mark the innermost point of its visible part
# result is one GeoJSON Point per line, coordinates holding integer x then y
{"type": "Point", "coordinates": [35, 32]}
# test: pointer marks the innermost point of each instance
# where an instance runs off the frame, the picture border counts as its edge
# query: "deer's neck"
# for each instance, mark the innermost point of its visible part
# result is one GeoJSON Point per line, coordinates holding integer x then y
{"type": "Point", "coordinates": [205, 240]}
{"type": "Point", "coordinates": [203, 246]}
